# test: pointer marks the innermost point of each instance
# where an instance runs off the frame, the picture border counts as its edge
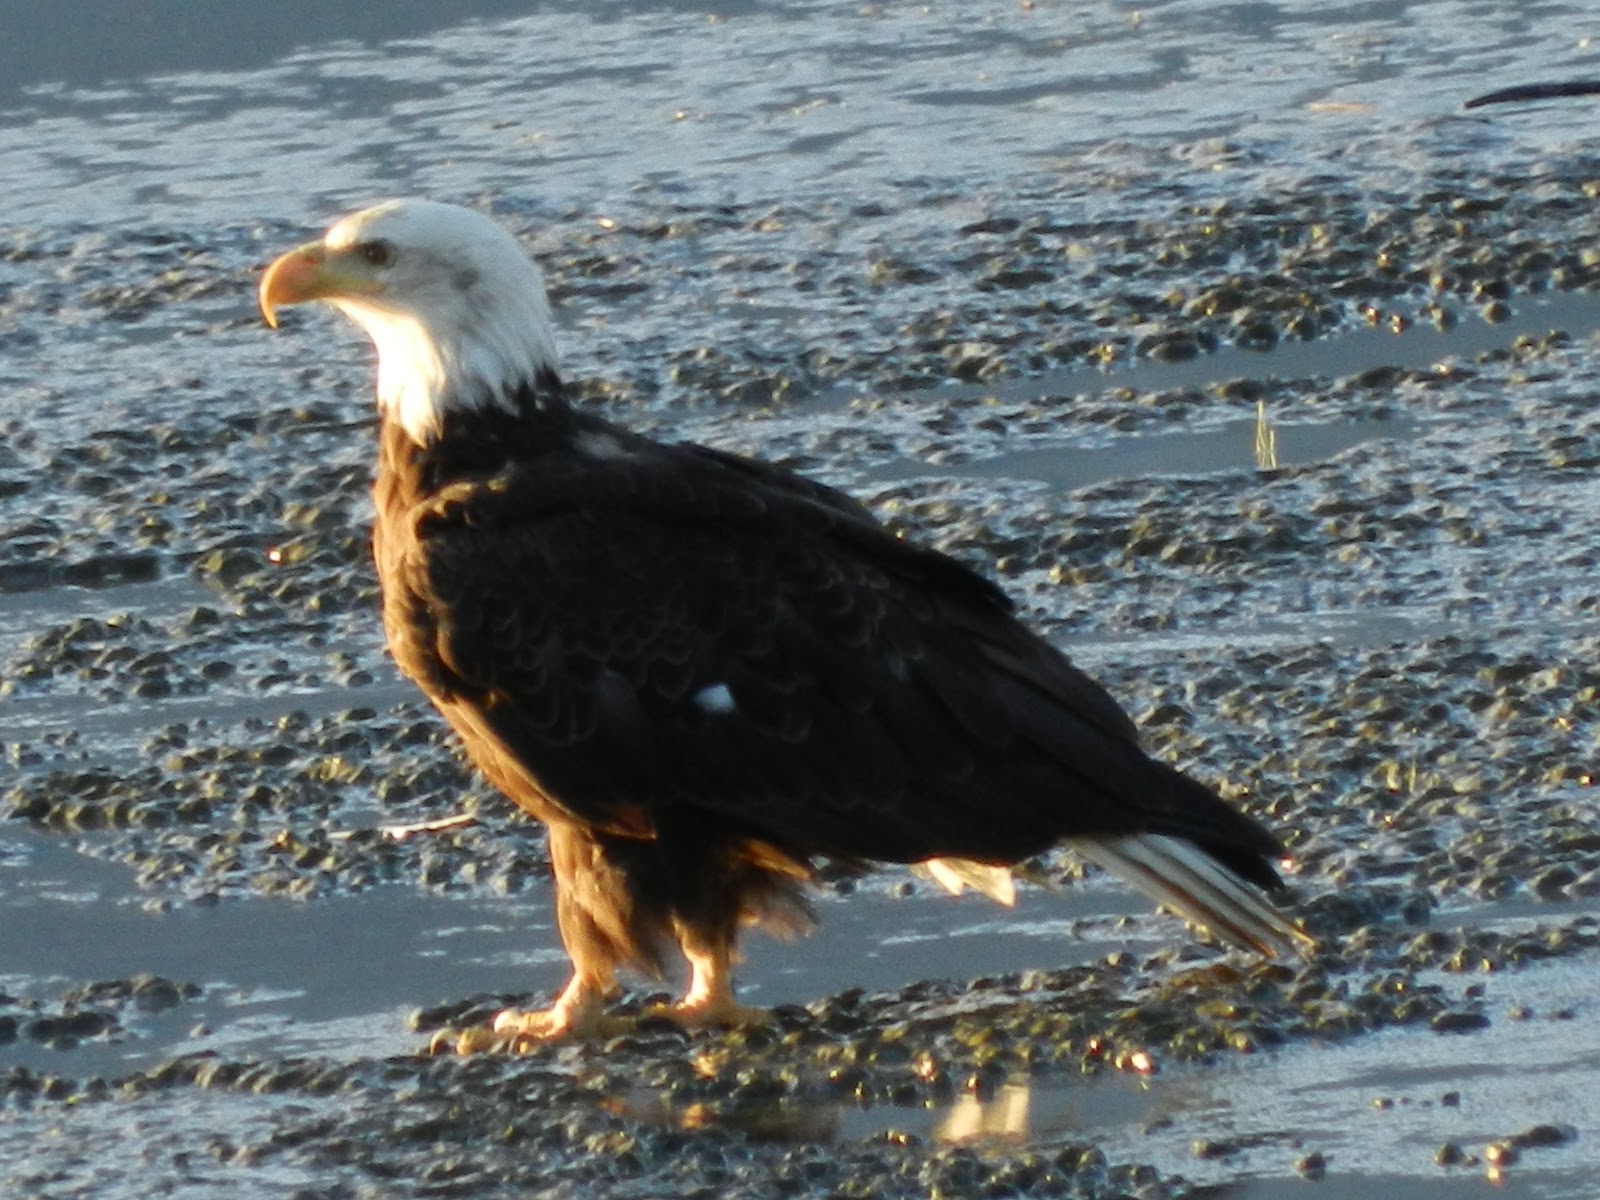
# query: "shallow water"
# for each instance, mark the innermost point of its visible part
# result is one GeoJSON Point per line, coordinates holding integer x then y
{"type": "Point", "coordinates": [768, 227]}
{"type": "Point", "coordinates": [294, 112]}
{"type": "Point", "coordinates": [338, 977]}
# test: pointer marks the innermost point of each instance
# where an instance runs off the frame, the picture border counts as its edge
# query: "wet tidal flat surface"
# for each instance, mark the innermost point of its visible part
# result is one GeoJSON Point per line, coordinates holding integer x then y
{"type": "Point", "coordinates": [1263, 377]}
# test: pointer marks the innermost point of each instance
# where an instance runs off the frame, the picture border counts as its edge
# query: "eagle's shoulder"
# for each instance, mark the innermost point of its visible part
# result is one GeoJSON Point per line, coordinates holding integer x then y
{"type": "Point", "coordinates": [611, 480]}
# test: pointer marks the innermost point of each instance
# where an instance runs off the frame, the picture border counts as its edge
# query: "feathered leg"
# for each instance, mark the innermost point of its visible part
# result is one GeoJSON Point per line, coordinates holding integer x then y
{"type": "Point", "coordinates": [710, 1000]}
{"type": "Point", "coordinates": [595, 914]}
{"type": "Point", "coordinates": [729, 885]}
{"type": "Point", "coordinates": [620, 902]}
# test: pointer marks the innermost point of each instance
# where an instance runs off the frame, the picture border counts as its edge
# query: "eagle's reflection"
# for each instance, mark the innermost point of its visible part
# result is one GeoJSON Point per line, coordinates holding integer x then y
{"type": "Point", "coordinates": [1001, 1117]}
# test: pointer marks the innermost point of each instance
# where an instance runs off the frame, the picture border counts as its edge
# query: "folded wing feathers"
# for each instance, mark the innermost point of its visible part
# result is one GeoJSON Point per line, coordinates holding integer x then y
{"type": "Point", "coordinates": [1187, 880]}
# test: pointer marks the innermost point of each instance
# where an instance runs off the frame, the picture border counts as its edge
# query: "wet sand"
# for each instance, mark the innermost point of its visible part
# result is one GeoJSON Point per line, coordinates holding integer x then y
{"type": "Point", "coordinates": [1030, 281]}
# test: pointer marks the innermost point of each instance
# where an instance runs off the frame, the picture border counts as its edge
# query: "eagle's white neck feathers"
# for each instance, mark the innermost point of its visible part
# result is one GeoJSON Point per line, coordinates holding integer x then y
{"type": "Point", "coordinates": [458, 315]}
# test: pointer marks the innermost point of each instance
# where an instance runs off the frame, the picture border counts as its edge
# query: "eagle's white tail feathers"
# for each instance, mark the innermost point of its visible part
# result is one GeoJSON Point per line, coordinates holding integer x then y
{"type": "Point", "coordinates": [1187, 880]}
{"type": "Point", "coordinates": [956, 874]}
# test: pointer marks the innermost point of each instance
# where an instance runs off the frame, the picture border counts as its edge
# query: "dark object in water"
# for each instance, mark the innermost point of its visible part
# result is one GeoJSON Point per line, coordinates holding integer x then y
{"type": "Point", "coordinates": [1536, 91]}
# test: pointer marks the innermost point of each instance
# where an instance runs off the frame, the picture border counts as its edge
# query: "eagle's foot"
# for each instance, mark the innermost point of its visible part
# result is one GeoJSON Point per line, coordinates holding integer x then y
{"type": "Point", "coordinates": [577, 1015]}
{"type": "Point", "coordinates": [709, 1003]}
{"type": "Point", "coordinates": [720, 1012]}
{"type": "Point", "coordinates": [515, 1032]}
{"type": "Point", "coordinates": [551, 1024]}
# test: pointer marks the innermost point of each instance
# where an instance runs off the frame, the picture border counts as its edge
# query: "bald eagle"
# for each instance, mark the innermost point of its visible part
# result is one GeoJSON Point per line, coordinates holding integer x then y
{"type": "Point", "coordinates": [703, 673]}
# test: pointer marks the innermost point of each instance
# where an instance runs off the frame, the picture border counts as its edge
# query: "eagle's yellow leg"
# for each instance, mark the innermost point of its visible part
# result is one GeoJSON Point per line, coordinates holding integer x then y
{"type": "Point", "coordinates": [710, 999]}
{"type": "Point", "coordinates": [577, 1013]}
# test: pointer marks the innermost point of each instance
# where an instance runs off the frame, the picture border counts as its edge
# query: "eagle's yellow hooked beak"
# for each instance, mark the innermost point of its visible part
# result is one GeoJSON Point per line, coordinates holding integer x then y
{"type": "Point", "coordinates": [310, 272]}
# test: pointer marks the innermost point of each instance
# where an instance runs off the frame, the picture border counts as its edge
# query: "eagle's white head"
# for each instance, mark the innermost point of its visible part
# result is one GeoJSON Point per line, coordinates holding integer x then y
{"type": "Point", "coordinates": [452, 302]}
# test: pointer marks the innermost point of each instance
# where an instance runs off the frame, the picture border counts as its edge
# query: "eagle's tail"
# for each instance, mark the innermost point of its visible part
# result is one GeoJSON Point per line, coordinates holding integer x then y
{"type": "Point", "coordinates": [1185, 878]}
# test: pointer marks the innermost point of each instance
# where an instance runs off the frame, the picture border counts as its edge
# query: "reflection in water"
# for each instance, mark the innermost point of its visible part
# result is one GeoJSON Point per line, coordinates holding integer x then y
{"type": "Point", "coordinates": [781, 1119]}
{"type": "Point", "coordinates": [1002, 1119]}
{"type": "Point", "coordinates": [1020, 1111]}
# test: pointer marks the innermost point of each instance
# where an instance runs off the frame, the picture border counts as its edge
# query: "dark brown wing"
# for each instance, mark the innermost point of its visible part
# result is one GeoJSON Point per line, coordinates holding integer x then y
{"type": "Point", "coordinates": [671, 630]}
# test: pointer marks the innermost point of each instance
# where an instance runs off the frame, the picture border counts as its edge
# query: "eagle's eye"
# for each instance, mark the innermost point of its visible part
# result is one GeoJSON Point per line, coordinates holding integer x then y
{"type": "Point", "coordinates": [377, 253]}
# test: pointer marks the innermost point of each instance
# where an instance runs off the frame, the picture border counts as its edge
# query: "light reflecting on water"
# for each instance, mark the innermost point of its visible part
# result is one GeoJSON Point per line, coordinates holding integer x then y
{"type": "Point", "coordinates": [1019, 1111]}
{"type": "Point", "coordinates": [1004, 1118]}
